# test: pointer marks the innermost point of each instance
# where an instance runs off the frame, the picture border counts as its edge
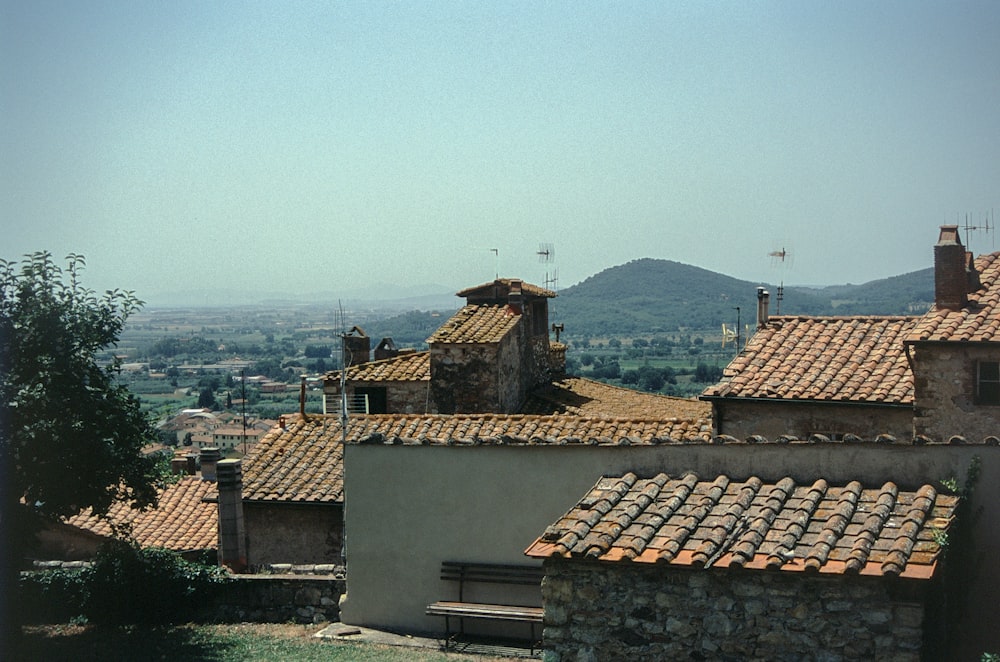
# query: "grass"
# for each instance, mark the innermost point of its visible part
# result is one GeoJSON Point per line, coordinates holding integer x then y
{"type": "Point", "coordinates": [209, 643]}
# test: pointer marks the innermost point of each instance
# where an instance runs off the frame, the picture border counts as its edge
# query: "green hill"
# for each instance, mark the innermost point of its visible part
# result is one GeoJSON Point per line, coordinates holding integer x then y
{"type": "Point", "coordinates": [650, 296]}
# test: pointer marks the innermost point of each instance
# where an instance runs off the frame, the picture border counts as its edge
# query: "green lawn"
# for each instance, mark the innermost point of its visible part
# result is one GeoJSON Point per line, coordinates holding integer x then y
{"type": "Point", "coordinates": [208, 643]}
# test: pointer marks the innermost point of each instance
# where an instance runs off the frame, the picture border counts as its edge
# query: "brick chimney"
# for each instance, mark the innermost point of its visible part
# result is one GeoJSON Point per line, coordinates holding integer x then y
{"type": "Point", "coordinates": [210, 457]}
{"type": "Point", "coordinates": [951, 270]}
{"type": "Point", "coordinates": [232, 531]}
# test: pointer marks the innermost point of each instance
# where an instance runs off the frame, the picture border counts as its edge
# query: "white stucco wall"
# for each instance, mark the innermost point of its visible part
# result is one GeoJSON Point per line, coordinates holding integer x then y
{"type": "Point", "coordinates": [408, 508]}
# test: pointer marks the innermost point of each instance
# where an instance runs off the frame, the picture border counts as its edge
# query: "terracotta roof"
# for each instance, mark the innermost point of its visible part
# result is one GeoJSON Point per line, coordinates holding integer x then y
{"type": "Point", "coordinates": [304, 462]}
{"type": "Point", "coordinates": [477, 324]}
{"type": "Point", "coordinates": [503, 286]}
{"type": "Point", "coordinates": [979, 321]}
{"type": "Point", "coordinates": [407, 367]}
{"type": "Point", "coordinates": [586, 397]}
{"type": "Point", "coordinates": [186, 518]}
{"type": "Point", "coordinates": [300, 463]}
{"type": "Point", "coordinates": [837, 359]}
{"type": "Point", "coordinates": [732, 524]}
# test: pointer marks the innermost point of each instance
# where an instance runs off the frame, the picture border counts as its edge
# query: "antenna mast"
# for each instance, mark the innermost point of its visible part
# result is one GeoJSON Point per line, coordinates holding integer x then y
{"type": "Point", "coordinates": [547, 254]}
{"type": "Point", "coordinates": [343, 372]}
{"type": "Point", "coordinates": [779, 258]}
{"type": "Point", "coordinates": [987, 227]}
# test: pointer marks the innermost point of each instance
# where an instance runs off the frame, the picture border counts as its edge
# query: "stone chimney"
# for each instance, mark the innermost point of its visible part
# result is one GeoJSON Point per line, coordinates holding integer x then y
{"type": "Point", "coordinates": [386, 349]}
{"type": "Point", "coordinates": [357, 347]}
{"type": "Point", "coordinates": [951, 270]}
{"type": "Point", "coordinates": [232, 531]}
{"type": "Point", "coordinates": [210, 457]}
{"type": "Point", "coordinates": [515, 297]}
{"type": "Point", "coordinates": [178, 465]}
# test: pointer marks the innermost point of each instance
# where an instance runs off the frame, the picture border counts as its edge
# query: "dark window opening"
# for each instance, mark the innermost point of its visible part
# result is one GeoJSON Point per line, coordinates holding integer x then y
{"type": "Point", "coordinates": [378, 402]}
{"type": "Point", "coordinates": [988, 382]}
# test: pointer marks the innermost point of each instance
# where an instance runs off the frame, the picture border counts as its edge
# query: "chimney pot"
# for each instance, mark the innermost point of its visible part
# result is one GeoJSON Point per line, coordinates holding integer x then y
{"type": "Point", "coordinates": [763, 300]}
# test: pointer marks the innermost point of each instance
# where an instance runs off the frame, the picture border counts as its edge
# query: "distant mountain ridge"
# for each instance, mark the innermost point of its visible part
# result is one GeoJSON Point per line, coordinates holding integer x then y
{"type": "Point", "coordinates": [651, 296]}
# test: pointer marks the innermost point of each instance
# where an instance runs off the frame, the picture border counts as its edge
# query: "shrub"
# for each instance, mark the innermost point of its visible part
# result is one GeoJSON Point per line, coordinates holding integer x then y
{"type": "Point", "coordinates": [126, 584]}
{"type": "Point", "coordinates": [129, 584]}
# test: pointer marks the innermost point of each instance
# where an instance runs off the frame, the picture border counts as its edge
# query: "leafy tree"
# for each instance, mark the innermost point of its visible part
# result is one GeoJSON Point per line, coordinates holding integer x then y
{"type": "Point", "coordinates": [318, 351]}
{"type": "Point", "coordinates": [206, 398]}
{"type": "Point", "coordinates": [70, 434]}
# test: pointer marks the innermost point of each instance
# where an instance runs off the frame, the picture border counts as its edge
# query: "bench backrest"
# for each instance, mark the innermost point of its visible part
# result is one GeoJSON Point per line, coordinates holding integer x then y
{"type": "Point", "coordinates": [489, 573]}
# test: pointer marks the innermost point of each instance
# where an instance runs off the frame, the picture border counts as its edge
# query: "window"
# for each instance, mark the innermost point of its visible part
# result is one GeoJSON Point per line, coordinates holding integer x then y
{"type": "Point", "coordinates": [377, 400]}
{"type": "Point", "coordinates": [988, 382]}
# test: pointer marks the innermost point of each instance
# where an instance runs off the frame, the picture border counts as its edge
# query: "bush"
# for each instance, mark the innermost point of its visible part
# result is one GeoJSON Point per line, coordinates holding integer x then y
{"type": "Point", "coordinates": [126, 584]}
{"type": "Point", "coordinates": [52, 596]}
{"type": "Point", "coordinates": [171, 588]}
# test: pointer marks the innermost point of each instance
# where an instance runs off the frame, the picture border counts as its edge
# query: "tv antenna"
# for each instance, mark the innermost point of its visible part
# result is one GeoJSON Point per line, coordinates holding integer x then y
{"type": "Point", "coordinates": [780, 258]}
{"type": "Point", "coordinates": [987, 226]}
{"type": "Point", "coordinates": [547, 254]}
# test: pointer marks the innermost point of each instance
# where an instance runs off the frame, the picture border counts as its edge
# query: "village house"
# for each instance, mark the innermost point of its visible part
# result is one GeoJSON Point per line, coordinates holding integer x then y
{"type": "Point", "coordinates": [486, 358]}
{"type": "Point", "coordinates": [185, 520]}
{"type": "Point", "coordinates": [683, 567]}
{"type": "Point", "coordinates": [955, 348]}
{"type": "Point", "coordinates": [930, 377]}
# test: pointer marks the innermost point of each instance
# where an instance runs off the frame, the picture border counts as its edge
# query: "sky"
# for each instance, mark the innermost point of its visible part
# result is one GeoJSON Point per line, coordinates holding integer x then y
{"type": "Point", "coordinates": [205, 147]}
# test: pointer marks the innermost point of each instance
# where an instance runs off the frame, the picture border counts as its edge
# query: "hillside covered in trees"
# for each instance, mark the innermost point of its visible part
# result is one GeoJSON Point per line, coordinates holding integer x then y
{"type": "Point", "coordinates": [653, 296]}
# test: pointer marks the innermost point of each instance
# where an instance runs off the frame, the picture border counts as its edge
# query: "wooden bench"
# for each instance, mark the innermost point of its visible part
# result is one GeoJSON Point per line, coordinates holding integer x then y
{"type": "Point", "coordinates": [487, 573]}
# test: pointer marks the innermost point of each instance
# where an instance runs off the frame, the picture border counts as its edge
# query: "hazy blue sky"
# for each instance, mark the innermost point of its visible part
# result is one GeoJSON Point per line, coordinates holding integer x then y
{"type": "Point", "coordinates": [323, 146]}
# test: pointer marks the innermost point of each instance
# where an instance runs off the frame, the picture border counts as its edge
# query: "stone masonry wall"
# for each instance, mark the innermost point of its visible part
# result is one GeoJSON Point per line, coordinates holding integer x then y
{"type": "Point", "coordinates": [944, 392]}
{"type": "Point", "coordinates": [772, 419]}
{"type": "Point", "coordinates": [278, 599]}
{"type": "Point", "coordinates": [464, 378]}
{"type": "Point", "coordinates": [283, 533]}
{"type": "Point", "coordinates": [602, 611]}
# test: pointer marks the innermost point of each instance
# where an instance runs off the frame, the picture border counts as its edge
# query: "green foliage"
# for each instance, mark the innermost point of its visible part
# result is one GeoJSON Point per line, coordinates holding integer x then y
{"type": "Point", "coordinates": [70, 434]}
{"type": "Point", "coordinates": [54, 596]}
{"type": "Point", "coordinates": [170, 586]}
{"type": "Point", "coordinates": [126, 584]}
{"type": "Point", "coordinates": [972, 474]}
{"type": "Point", "coordinates": [206, 399]}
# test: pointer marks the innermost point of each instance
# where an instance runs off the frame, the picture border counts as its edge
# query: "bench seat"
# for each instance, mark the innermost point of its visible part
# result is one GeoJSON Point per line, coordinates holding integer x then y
{"type": "Point", "coordinates": [479, 610]}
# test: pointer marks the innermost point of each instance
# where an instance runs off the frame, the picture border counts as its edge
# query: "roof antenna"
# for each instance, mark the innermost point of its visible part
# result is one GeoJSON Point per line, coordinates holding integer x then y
{"type": "Point", "coordinates": [344, 361]}
{"type": "Point", "coordinates": [987, 227]}
{"type": "Point", "coordinates": [780, 258]}
{"type": "Point", "coordinates": [547, 253]}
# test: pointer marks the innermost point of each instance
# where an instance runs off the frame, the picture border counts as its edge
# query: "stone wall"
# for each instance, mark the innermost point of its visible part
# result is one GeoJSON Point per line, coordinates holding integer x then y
{"type": "Point", "coordinates": [464, 378]}
{"type": "Point", "coordinates": [741, 419]}
{"type": "Point", "coordinates": [402, 397]}
{"type": "Point", "coordinates": [278, 599]}
{"type": "Point", "coordinates": [599, 611]}
{"type": "Point", "coordinates": [944, 392]}
{"type": "Point", "coordinates": [288, 533]}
